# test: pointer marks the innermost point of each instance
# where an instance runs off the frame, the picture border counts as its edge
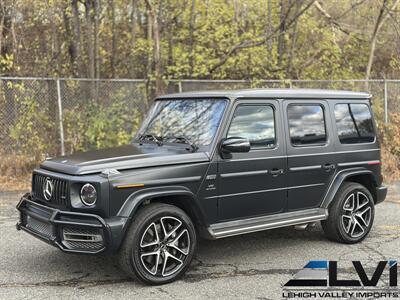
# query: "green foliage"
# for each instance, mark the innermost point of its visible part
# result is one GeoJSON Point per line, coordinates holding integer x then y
{"type": "Point", "coordinates": [6, 63]}
{"type": "Point", "coordinates": [194, 41]}
{"type": "Point", "coordinates": [30, 132]}
{"type": "Point", "coordinates": [100, 126]}
{"type": "Point", "coordinates": [390, 144]}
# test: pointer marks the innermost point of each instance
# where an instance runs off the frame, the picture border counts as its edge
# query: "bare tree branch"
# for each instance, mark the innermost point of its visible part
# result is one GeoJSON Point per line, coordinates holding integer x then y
{"type": "Point", "coordinates": [383, 15]}
{"type": "Point", "coordinates": [260, 40]}
{"type": "Point", "coordinates": [329, 18]}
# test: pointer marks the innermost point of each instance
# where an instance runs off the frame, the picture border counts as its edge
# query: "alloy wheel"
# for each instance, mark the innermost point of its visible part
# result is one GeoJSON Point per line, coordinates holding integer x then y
{"type": "Point", "coordinates": [164, 246]}
{"type": "Point", "coordinates": [357, 214]}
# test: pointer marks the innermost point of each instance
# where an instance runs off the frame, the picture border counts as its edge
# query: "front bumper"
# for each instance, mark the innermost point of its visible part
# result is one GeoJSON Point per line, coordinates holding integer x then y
{"type": "Point", "coordinates": [381, 192]}
{"type": "Point", "coordinates": [70, 231]}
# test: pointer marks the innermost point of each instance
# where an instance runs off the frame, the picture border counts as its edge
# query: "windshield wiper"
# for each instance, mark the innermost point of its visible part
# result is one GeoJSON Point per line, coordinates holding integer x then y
{"type": "Point", "coordinates": [184, 140]}
{"type": "Point", "coordinates": [150, 137]}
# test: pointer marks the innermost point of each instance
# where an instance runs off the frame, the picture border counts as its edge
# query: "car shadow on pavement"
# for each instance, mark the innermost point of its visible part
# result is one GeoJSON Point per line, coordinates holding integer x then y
{"type": "Point", "coordinates": [233, 256]}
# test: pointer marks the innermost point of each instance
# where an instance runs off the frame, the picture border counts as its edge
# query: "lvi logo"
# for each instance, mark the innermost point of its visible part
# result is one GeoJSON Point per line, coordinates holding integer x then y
{"type": "Point", "coordinates": [322, 273]}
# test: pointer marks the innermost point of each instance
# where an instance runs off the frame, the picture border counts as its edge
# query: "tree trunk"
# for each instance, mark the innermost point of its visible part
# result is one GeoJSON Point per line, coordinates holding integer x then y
{"type": "Point", "coordinates": [157, 48]}
{"type": "Point", "coordinates": [383, 14]}
{"type": "Point", "coordinates": [282, 30]}
{"type": "Point", "coordinates": [113, 38]}
{"type": "Point", "coordinates": [96, 33]}
{"type": "Point", "coordinates": [55, 49]}
{"type": "Point", "coordinates": [293, 44]}
{"type": "Point", "coordinates": [191, 38]}
{"type": "Point", "coordinates": [89, 39]}
{"type": "Point", "coordinates": [269, 27]}
{"type": "Point", "coordinates": [8, 113]}
{"type": "Point", "coordinates": [133, 38]}
{"type": "Point", "coordinates": [7, 45]}
{"type": "Point", "coordinates": [75, 46]}
{"type": "Point", "coordinates": [149, 63]}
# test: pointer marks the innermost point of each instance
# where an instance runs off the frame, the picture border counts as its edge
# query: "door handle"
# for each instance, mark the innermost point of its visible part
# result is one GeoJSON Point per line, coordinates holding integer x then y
{"type": "Point", "coordinates": [328, 167]}
{"type": "Point", "coordinates": [277, 172]}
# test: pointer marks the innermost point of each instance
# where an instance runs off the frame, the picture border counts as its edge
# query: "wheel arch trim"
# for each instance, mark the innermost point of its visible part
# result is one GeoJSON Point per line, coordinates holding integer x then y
{"type": "Point", "coordinates": [135, 199]}
{"type": "Point", "coordinates": [338, 180]}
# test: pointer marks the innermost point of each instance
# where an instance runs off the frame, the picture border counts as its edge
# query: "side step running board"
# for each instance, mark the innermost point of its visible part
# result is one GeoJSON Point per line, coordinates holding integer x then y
{"type": "Point", "coordinates": [225, 229]}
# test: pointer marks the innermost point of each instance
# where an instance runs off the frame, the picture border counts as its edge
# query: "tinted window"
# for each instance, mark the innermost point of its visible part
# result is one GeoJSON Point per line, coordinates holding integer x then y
{"type": "Point", "coordinates": [354, 123]}
{"type": "Point", "coordinates": [197, 120]}
{"type": "Point", "coordinates": [256, 123]}
{"type": "Point", "coordinates": [306, 124]}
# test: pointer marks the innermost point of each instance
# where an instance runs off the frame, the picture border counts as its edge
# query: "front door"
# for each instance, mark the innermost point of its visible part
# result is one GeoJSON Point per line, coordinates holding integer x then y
{"type": "Point", "coordinates": [253, 184]}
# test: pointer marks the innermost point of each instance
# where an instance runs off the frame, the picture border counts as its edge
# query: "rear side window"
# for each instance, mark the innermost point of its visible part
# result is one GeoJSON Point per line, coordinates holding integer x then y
{"type": "Point", "coordinates": [256, 123]}
{"type": "Point", "coordinates": [354, 123]}
{"type": "Point", "coordinates": [306, 124]}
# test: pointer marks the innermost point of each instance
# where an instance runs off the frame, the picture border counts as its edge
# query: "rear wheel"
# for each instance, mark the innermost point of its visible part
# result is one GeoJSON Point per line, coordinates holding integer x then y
{"type": "Point", "coordinates": [351, 214]}
{"type": "Point", "coordinates": [159, 244]}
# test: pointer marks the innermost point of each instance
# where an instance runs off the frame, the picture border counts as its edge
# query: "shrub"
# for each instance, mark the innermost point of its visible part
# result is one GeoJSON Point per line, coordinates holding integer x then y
{"type": "Point", "coordinates": [99, 126]}
{"type": "Point", "coordinates": [390, 144]}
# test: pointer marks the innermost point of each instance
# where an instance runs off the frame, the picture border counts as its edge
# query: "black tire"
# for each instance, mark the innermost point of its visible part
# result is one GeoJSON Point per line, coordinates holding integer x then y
{"type": "Point", "coordinates": [341, 221]}
{"type": "Point", "coordinates": [145, 230]}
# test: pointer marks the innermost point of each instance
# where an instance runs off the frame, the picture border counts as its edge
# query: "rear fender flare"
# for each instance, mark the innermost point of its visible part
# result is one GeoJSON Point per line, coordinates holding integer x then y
{"type": "Point", "coordinates": [338, 180]}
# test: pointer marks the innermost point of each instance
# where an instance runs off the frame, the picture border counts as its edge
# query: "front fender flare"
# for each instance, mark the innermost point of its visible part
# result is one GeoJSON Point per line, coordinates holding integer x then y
{"type": "Point", "coordinates": [337, 181]}
{"type": "Point", "coordinates": [131, 204]}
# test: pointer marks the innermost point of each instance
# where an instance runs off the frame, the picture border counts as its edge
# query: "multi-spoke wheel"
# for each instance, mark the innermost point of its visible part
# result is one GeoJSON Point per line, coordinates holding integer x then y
{"type": "Point", "coordinates": [159, 244]}
{"type": "Point", "coordinates": [356, 214]}
{"type": "Point", "coordinates": [164, 246]}
{"type": "Point", "coordinates": [351, 214]}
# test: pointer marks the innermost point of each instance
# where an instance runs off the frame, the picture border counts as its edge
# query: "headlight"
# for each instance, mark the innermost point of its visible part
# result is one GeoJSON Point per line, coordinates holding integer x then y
{"type": "Point", "coordinates": [88, 194]}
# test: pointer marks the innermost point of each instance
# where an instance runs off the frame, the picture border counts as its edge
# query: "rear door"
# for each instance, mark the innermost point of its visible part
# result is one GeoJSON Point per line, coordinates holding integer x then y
{"type": "Point", "coordinates": [253, 183]}
{"type": "Point", "coordinates": [310, 147]}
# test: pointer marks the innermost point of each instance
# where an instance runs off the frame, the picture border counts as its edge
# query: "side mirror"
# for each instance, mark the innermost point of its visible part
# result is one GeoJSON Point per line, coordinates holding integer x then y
{"type": "Point", "coordinates": [234, 144]}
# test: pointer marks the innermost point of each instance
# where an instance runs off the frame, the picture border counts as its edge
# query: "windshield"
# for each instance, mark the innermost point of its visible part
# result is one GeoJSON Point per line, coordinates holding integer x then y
{"type": "Point", "coordinates": [193, 119]}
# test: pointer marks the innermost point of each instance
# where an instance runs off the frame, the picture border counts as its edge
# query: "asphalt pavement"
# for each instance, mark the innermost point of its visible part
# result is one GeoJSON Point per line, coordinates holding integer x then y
{"type": "Point", "coordinates": [253, 266]}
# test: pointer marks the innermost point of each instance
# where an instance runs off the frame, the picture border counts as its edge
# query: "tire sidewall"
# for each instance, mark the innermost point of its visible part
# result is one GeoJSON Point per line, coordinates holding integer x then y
{"type": "Point", "coordinates": [135, 260]}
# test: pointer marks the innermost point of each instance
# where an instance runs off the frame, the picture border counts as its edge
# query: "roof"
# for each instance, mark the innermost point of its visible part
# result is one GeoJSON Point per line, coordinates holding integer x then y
{"type": "Point", "coordinates": [272, 93]}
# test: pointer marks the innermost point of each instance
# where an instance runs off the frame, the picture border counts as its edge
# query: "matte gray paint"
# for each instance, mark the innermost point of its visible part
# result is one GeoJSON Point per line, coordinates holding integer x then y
{"type": "Point", "coordinates": [123, 158]}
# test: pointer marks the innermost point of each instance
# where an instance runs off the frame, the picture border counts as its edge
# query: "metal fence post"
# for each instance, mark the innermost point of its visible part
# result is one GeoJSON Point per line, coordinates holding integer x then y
{"type": "Point", "coordinates": [60, 117]}
{"type": "Point", "coordinates": [180, 86]}
{"type": "Point", "coordinates": [386, 102]}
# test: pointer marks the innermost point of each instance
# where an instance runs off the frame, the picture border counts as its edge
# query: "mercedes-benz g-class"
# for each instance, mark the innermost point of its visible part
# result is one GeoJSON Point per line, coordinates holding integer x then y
{"type": "Point", "coordinates": [213, 165]}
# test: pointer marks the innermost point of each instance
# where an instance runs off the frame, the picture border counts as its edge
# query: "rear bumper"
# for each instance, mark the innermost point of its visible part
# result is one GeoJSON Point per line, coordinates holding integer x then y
{"type": "Point", "coordinates": [70, 231]}
{"type": "Point", "coordinates": [381, 192]}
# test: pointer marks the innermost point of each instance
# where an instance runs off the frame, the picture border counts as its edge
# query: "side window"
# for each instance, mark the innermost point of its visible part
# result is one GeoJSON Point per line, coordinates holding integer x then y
{"type": "Point", "coordinates": [306, 124]}
{"type": "Point", "coordinates": [354, 123]}
{"type": "Point", "coordinates": [256, 123]}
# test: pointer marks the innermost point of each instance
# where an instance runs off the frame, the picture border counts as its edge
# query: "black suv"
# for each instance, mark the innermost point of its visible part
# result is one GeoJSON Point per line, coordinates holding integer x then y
{"type": "Point", "coordinates": [213, 164]}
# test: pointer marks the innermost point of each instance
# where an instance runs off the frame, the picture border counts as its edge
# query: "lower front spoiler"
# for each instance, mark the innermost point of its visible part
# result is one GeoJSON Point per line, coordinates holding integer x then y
{"type": "Point", "coordinates": [70, 231]}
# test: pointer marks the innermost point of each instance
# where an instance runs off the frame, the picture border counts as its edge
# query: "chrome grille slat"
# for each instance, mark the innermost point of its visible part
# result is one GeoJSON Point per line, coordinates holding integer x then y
{"type": "Point", "coordinates": [60, 192]}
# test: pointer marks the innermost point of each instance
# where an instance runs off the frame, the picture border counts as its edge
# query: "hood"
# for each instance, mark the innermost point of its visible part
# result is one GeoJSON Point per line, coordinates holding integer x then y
{"type": "Point", "coordinates": [120, 158]}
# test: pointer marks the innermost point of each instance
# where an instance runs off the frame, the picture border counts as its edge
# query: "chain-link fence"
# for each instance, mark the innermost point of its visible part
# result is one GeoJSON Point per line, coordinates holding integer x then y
{"type": "Point", "coordinates": [48, 117]}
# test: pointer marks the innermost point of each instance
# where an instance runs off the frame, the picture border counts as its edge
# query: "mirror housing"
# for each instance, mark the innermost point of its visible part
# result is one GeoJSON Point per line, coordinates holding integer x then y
{"type": "Point", "coordinates": [234, 145]}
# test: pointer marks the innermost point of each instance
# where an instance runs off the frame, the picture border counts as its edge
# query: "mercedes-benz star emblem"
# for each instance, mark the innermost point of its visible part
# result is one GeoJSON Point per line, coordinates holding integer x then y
{"type": "Point", "coordinates": [48, 189]}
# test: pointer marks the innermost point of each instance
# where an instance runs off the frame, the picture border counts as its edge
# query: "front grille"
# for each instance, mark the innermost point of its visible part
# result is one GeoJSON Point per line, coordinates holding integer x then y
{"type": "Point", "coordinates": [60, 189]}
{"type": "Point", "coordinates": [42, 228]}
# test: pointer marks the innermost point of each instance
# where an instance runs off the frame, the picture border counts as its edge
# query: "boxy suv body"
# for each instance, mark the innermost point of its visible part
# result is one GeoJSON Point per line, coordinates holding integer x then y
{"type": "Point", "coordinates": [213, 164]}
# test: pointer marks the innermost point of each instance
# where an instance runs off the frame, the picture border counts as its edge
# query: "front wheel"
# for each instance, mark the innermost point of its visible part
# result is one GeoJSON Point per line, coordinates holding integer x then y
{"type": "Point", "coordinates": [159, 244]}
{"type": "Point", "coordinates": [351, 214]}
